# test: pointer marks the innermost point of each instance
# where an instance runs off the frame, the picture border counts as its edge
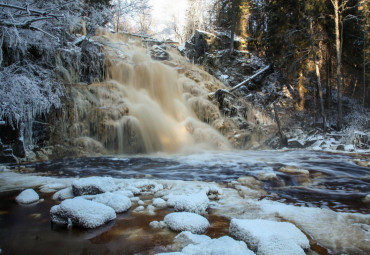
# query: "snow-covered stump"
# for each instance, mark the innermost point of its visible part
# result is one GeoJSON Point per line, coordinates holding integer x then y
{"type": "Point", "coordinates": [186, 221]}
{"type": "Point", "coordinates": [27, 196]}
{"type": "Point", "coordinates": [82, 213]}
{"type": "Point", "coordinates": [93, 185]}
{"type": "Point", "coordinates": [270, 237]}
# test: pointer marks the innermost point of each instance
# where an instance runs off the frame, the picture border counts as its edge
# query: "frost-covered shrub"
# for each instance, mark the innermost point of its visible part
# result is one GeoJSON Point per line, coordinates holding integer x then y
{"type": "Point", "coordinates": [25, 91]}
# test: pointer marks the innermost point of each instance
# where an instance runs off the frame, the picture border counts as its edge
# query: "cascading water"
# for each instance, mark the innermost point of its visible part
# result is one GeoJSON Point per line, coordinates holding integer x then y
{"type": "Point", "coordinates": [143, 106]}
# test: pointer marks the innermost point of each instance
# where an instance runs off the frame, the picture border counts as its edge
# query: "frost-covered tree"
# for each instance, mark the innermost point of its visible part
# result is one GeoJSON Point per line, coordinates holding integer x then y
{"type": "Point", "coordinates": [31, 34]}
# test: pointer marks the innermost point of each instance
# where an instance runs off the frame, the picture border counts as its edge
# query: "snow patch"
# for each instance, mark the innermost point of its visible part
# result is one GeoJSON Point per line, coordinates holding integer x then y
{"type": "Point", "coordinates": [27, 196]}
{"type": "Point", "coordinates": [186, 221]}
{"type": "Point", "coordinates": [82, 213]}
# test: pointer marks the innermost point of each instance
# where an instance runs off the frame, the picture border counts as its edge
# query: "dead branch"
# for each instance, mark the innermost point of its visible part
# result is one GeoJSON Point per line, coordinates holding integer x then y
{"type": "Point", "coordinates": [250, 78]}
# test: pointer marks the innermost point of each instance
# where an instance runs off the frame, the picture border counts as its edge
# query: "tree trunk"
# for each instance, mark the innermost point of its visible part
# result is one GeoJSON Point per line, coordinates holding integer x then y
{"type": "Point", "coordinates": [317, 69]}
{"type": "Point", "coordinates": [235, 5]}
{"type": "Point", "coordinates": [338, 47]}
{"type": "Point", "coordinates": [364, 73]}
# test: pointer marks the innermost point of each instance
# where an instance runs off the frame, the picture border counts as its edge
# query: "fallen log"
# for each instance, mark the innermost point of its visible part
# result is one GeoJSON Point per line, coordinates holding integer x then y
{"type": "Point", "coordinates": [250, 78]}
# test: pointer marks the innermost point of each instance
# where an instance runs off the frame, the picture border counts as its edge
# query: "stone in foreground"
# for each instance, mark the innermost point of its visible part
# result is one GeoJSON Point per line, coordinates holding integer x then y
{"type": "Point", "coordinates": [270, 237]}
{"type": "Point", "coordinates": [82, 213]}
{"type": "Point", "coordinates": [196, 203]}
{"type": "Point", "coordinates": [27, 196]}
{"type": "Point", "coordinates": [185, 221]}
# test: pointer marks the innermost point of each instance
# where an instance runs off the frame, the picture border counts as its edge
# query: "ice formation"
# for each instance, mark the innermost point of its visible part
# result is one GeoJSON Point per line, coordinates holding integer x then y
{"type": "Point", "coordinates": [82, 213]}
{"type": "Point", "coordinates": [27, 196]}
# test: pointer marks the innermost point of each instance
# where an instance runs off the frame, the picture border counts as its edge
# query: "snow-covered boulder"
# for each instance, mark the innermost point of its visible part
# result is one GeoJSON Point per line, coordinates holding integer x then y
{"type": "Point", "coordinates": [126, 193]}
{"type": "Point", "coordinates": [81, 212]}
{"type": "Point", "coordinates": [93, 185]}
{"type": "Point", "coordinates": [63, 194]}
{"type": "Point", "coordinates": [186, 237]}
{"type": "Point", "coordinates": [196, 203]}
{"type": "Point", "coordinates": [117, 202]}
{"type": "Point", "coordinates": [186, 221]}
{"type": "Point", "coordinates": [221, 246]}
{"type": "Point", "coordinates": [27, 196]}
{"type": "Point", "coordinates": [52, 187]}
{"type": "Point", "coordinates": [259, 234]}
{"type": "Point", "coordinates": [276, 245]}
{"type": "Point", "coordinates": [159, 203]}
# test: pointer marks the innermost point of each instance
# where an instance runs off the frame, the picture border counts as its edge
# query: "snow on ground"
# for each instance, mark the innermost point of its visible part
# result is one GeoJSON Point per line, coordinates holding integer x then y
{"type": "Point", "coordinates": [259, 233]}
{"type": "Point", "coordinates": [82, 213]}
{"type": "Point", "coordinates": [186, 221]}
{"type": "Point", "coordinates": [27, 196]}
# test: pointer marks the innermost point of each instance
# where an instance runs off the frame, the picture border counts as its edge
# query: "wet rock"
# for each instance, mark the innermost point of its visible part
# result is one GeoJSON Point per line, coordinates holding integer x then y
{"type": "Point", "coordinates": [27, 196]}
{"type": "Point", "coordinates": [93, 185]}
{"type": "Point", "coordinates": [159, 53]}
{"type": "Point", "coordinates": [82, 213]}
{"type": "Point", "coordinates": [295, 144]}
{"type": "Point", "coordinates": [300, 175]}
{"type": "Point", "coordinates": [250, 182]}
{"type": "Point", "coordinates": [186, 221]}
{"type": "Point", "coordinates": [340, 147]}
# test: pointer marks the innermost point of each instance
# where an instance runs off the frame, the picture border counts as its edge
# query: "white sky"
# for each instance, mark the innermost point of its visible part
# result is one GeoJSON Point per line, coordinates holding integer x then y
{"type": "Point", "coordinates": [163, 11]}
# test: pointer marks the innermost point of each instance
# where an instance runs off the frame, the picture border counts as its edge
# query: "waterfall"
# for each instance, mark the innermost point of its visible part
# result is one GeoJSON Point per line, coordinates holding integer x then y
{"type": "Point", "coordinates": [143, 105]}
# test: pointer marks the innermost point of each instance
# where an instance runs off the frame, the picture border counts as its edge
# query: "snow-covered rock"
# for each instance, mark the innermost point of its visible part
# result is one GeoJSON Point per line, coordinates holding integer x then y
{"type": "Point", "coordinates": [259, 233]}
{"type": "Point", "coordinates": [63, 194]}
{"type": "Point", "coordinates": [81, 212]}
{"type": "Point", "coordinates": [159, 203]}
{"type": "Point", "coordinates": [126, 193]}
{"type": "Point", "coordinates": [196, 203]}
{"type": "Point", "coordinates": [93, 185]}
{"type": "Point", "coordinates": [52, 187]}
{"type": "Point", "coordinates": [221, 246]}
{"type": "Point", "coordinates": [27, 196]}
{"type": "Point", "coordinates": [186, 221]}
{"type": "Point", "coordinates": [148, 187]}
{"type": "Point", "coordinates": [117, 202]}
{"type": "Point", "coordinates": [186, 237]}
{"type": "Point", "coordinates": [275, 245]}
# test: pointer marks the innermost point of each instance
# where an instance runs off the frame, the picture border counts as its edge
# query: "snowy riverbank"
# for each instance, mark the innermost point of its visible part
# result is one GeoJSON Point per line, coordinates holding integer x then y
{"type": "Point", "coordinates": [93, 201]}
